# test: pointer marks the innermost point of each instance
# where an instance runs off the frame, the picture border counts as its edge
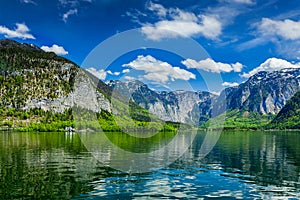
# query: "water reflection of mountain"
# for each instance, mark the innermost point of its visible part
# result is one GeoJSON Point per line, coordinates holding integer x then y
{"type": "Point", "coordinates": [43, 166]}
{"type": "Point", "coordinates": [242, 164]}
{"type": "Point", "coordinates": [266, 158]}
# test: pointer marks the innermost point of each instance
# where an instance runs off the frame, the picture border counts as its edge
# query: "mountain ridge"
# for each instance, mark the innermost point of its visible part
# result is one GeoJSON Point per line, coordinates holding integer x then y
{"type": "Point", "coordinates": [45, 92]}
{"type": "Point", "coordinates": [34, 79]}
{"type": "Point", "coordinates": [177, 106]}
{"type": "Point", "coordinates": [264, 92]}
{"type": "Point", "coordinates": [7, 43]}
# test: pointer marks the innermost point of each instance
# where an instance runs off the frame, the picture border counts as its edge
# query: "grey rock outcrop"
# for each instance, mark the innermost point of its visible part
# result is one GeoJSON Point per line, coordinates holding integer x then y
{"type": "Point", "coordinates": [178, 106]}
{"type": "Point", "coordinates": [84, 95]}
{"type": "Point", "coordinates": [264, 92]}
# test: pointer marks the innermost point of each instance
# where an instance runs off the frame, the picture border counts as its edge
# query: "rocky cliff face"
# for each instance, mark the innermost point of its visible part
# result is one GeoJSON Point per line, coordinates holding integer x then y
{"type": "Point", "coordinates": [84, 94]}
{"type": "Point", "coordinates": [177, 106]}
{"type": "Point", "coordinates": [265, 92]}
{"type": "Point", "coordinates": [289, 115]}
{"type": "Point", "coordinates": [31, 78]}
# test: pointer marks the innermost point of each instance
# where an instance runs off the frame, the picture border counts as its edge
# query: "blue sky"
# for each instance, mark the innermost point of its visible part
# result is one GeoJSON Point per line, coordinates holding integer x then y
{"type": "Point", "coordinates": [239, 37]}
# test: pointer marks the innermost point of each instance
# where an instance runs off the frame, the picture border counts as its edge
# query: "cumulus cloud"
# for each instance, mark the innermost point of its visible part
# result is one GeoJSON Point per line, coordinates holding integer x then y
{"type": "Point", "coordinates": [157, 71]}
{"type": "Point", "coordinates": [230, 84]}
{"type": "Point", "coordinates": [101, 74]}
{"type": "Point", "coordinates": [21, 31]}
{"type": "Point", "coordinates": [59, 50]}
{"type": "Point", "coordinates": [113, 73]}
{"type": "Point", "coordinates": [270, 65]}
{"type": "Point", "coordinates": [68, 14]}
{"type": "Point", "coordinates": [285, 34]}
{"type": "Point", "coordinates": [237, 67]}
{"type": "Point", "coordinates": [125, 71]}
{"type": "Point", "coordinates": [212, 66]}
{"type": "Point", "coordinates": [129, 78]}
{"type": "Point", "coordinates": [286, 29]}
{"type": "Point", "coordinates": [178, 23]}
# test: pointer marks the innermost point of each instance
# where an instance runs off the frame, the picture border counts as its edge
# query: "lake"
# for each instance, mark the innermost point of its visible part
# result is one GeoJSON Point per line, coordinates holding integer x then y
{"type": "Point", "coordinates": [242, 165]}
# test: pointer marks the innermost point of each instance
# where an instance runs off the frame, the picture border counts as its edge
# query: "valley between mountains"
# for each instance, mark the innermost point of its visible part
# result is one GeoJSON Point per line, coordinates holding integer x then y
{"type": "Point", "coordinates": [40, 91]}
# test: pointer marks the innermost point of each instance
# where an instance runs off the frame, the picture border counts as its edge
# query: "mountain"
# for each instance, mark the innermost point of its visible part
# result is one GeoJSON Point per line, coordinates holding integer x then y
{"type": "Point", "coordinates": [264, 92]}
{"type": "Point", "coordinates": [249, 105]}
{"type": "Point", "coordinates": [6, 43]}
{"type": "Point", "coordinates": [33, 79]}
{"type": "Point", "coordinates": [42, 88]}
{"type": "Point", "coordinates": [254, 103]}
{"type": "Point", "coordinates": [289, 116]}
{"type": "Point", "coordinates": [177, 106]}
{"type": "Point", "coordinates": [42, 91]}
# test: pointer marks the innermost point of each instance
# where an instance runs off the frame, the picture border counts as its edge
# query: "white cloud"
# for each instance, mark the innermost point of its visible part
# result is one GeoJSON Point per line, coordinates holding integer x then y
{"type": "Point", "coordinates": [178, 23]}
{"type": "Point", "coordinates": [237, 67]}
{"type": "Point", "coordinates": [67, 14]}
{"type": "Point", "coordinates": [125, 71]}
{"type": "Point", "coordinates": [72, 3]}
{"type": "Point", "coordinates": [249, 2]}
{"type": "Point", "coordinates": [101, 74]}
{"type": "Point", "coordinates": [158, 71]}
{"type": "Point", "coordinates": [59, 50]}
{"type": "Point", "coordinates": [289, 49]}
{"type": "Point", "coordinates": [270, 65]}
{"type": "Point", "coordinates": [251, 43]}
{"type": "Point", "coordinates": [69, 3]}
{"type": "Point", "coordinates": [284, 34]}
{"type": "Point", "coordinates": [212, 66]}
{"type": "Point", "coordinates": [129, 78]}
{"type": "Point", "coordinates": [215, 92]}
{"type": "Point", "coordinates": [71, 7]}
{"type": "Point", "coordinates": [21, 31]}
{"type": "Point", "coordinates": [244, 1]}
{"type": "Point", "coordinates": [230, 84]}
{"type": "Point", "coordinates": [113, 73]}
{"type": "Point", "coordinates": [286, 29]}
{"type": "Point", "coordinates": [29, 2]}
{"type": "Point", "coordinates": [159, 9]}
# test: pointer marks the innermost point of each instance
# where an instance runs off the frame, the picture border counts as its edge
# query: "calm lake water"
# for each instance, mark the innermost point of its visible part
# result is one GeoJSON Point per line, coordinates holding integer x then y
{"type": "Point", "coordinates": [244, 165]}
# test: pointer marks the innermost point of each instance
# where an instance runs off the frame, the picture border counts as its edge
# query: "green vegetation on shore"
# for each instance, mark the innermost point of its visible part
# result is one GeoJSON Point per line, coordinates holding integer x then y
{"type": "Point", "coordinates": [34, 120]}
{"type": "Point", "coordinates": [239, 120]}
{"type": "Point", "coordinates": [45, 121]}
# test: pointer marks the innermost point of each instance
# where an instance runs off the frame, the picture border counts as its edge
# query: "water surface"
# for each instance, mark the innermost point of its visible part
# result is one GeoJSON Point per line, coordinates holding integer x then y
{"type": "Point", "coordinates": [241, 165]}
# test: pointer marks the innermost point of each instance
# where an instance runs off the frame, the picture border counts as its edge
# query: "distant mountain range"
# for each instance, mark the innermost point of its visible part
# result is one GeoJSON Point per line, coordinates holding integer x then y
{"type": "Point", "coordinates": [32, 79]}
{"type": "Point", "coordinates": [178, 106]}
{"type": "Point", "coordinates": [263, 94]}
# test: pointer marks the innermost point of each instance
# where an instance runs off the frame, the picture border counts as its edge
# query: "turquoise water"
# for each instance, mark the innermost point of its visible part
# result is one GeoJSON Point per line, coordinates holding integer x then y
{"type": "Point", "coordinates": [242, 165]}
